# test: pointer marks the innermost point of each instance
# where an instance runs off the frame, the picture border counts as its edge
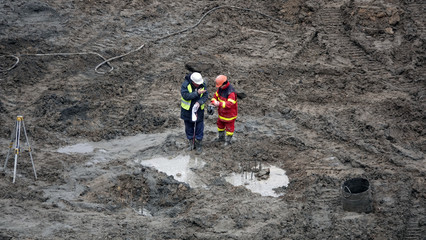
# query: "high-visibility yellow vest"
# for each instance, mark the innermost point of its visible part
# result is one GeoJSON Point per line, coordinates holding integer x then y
{"type": "Point", "coordinates": [187, 104]}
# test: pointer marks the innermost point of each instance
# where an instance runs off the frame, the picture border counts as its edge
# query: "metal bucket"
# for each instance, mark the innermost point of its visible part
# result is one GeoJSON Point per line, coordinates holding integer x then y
{"type": "Point", "coordinates": [356, 195]}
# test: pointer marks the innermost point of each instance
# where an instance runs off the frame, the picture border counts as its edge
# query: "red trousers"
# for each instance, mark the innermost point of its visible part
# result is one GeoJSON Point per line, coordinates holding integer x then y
{"type": "Point", "coordinates": [226, 126]}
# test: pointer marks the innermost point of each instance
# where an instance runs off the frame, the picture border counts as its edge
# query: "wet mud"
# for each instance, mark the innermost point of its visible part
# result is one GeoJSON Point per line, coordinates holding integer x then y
{"type": "Point", "coordinates": [335, 91]}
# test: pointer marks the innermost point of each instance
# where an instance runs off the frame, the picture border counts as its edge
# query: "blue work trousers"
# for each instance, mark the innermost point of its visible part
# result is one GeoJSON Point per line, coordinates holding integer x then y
{"type": "Point", "coordinates": [199, 130]}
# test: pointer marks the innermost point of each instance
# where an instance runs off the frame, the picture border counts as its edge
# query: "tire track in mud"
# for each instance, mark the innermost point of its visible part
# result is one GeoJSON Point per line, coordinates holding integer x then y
{"type": "Point", "coordinates": [339, 44]}
{"type": "Point", "coordinates": [412, 228]}
{"type": "Point", "coordinates": [417, 10]}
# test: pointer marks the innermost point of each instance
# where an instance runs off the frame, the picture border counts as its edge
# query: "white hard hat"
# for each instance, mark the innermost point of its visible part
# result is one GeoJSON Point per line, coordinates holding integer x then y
{"type": "Point", "coordinates": [196, 78]}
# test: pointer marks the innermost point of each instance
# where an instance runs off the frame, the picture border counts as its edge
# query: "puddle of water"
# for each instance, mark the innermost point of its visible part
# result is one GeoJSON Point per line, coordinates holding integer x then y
{"type": "Point", "coordinates": [180, 167]}
{"type": "Point", "coordinates": [277, 178]}
{"type": "Point", "coordinates": [121, 148]}
{"type": "Point", "coordinates": [77, 148]}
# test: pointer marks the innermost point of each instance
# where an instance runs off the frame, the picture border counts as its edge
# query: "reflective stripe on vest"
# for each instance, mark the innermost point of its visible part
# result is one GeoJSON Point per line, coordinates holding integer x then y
{"type": "Point", "coordinates": [187, 104]}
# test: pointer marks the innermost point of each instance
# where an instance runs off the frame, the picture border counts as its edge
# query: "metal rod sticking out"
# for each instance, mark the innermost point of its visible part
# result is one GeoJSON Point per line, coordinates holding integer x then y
{"type": "Point", "coordinates": [251, 170]}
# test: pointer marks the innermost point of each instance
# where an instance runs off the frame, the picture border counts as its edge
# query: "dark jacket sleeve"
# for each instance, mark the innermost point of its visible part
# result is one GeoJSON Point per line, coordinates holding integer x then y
{"type": "Point", "coordinates": [185, 93]}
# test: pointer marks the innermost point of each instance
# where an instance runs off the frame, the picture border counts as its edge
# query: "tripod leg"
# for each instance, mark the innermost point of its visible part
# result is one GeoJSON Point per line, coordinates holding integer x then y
{"type": "Point", "coordinates": [8, 153]}
{"type": "Point", "coordinates": [17, 147]}
{"type": "Point", "coordinates": [14, 168]}
{"type": "Point", "coordinates": [29, 148]}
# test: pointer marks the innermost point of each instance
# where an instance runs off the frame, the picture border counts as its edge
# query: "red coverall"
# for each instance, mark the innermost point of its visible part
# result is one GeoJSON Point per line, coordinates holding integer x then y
{"type": "Point", "coordinates": [227, 109]}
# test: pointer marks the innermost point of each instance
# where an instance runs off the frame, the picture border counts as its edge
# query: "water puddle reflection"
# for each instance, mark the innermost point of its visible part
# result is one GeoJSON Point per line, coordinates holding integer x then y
{"type": "Point", "coordinates": [180, 167]}
{"type": "Point", "coordinates": [121, 148]}
{"type": "Point", "coordinates": [273, 186]}
{"type": "Point", "coordinates": [77, 148]}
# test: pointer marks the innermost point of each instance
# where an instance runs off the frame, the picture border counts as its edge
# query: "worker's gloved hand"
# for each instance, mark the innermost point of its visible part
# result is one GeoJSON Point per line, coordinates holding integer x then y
{"type": "Point", "coordinates": [215, 102]}
{"type": "Point", "coordinates": [196, 106]}
{"type": "Point", "coordinates": [210, 109]}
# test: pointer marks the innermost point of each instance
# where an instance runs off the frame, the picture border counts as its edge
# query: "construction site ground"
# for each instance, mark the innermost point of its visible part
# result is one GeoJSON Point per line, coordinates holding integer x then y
{"type": "Point", "coordinates": [335, 91]}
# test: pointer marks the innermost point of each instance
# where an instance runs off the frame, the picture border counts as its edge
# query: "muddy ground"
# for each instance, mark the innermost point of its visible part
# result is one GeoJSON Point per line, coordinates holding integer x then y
{"type": "Point", "coordinates": [335, 91]}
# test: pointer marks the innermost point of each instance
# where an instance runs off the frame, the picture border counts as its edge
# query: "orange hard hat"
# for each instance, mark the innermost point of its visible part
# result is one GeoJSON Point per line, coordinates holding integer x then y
{"type": "Point", "coordinates": [220, 80]}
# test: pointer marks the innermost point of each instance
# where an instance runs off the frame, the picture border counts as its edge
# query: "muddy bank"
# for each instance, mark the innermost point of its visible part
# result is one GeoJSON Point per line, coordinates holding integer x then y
{"type": "Point", "coordinates": [335, 90]}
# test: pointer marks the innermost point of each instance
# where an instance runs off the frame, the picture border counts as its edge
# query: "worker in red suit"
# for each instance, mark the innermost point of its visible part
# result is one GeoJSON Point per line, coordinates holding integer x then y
{"type": "Point", "coordinates": [225, 99]}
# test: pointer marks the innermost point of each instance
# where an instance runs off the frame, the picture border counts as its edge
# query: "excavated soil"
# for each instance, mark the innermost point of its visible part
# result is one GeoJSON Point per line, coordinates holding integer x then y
{"type": "Point", "coordinates": [335, 91]}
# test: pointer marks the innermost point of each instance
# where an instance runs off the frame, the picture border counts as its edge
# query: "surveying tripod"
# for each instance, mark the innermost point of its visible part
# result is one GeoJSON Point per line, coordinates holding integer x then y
{"type": "Point", "coordinates": [16, 134]}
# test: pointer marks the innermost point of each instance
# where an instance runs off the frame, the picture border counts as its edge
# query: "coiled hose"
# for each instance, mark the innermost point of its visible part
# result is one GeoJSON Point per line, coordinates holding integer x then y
{"type": "Point", "coordinates": [107, 61]}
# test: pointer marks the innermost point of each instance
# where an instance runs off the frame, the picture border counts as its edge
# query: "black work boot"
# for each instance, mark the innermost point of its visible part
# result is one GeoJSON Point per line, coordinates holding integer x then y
{"type": "Point", "coordinates": [191, 145]}
{"type": "Point", "coordinates": [228, 140]}
{"type": "Point", "coordinates": [198, 146]}
{"type": "Point", "coordinates": [221, 137]}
